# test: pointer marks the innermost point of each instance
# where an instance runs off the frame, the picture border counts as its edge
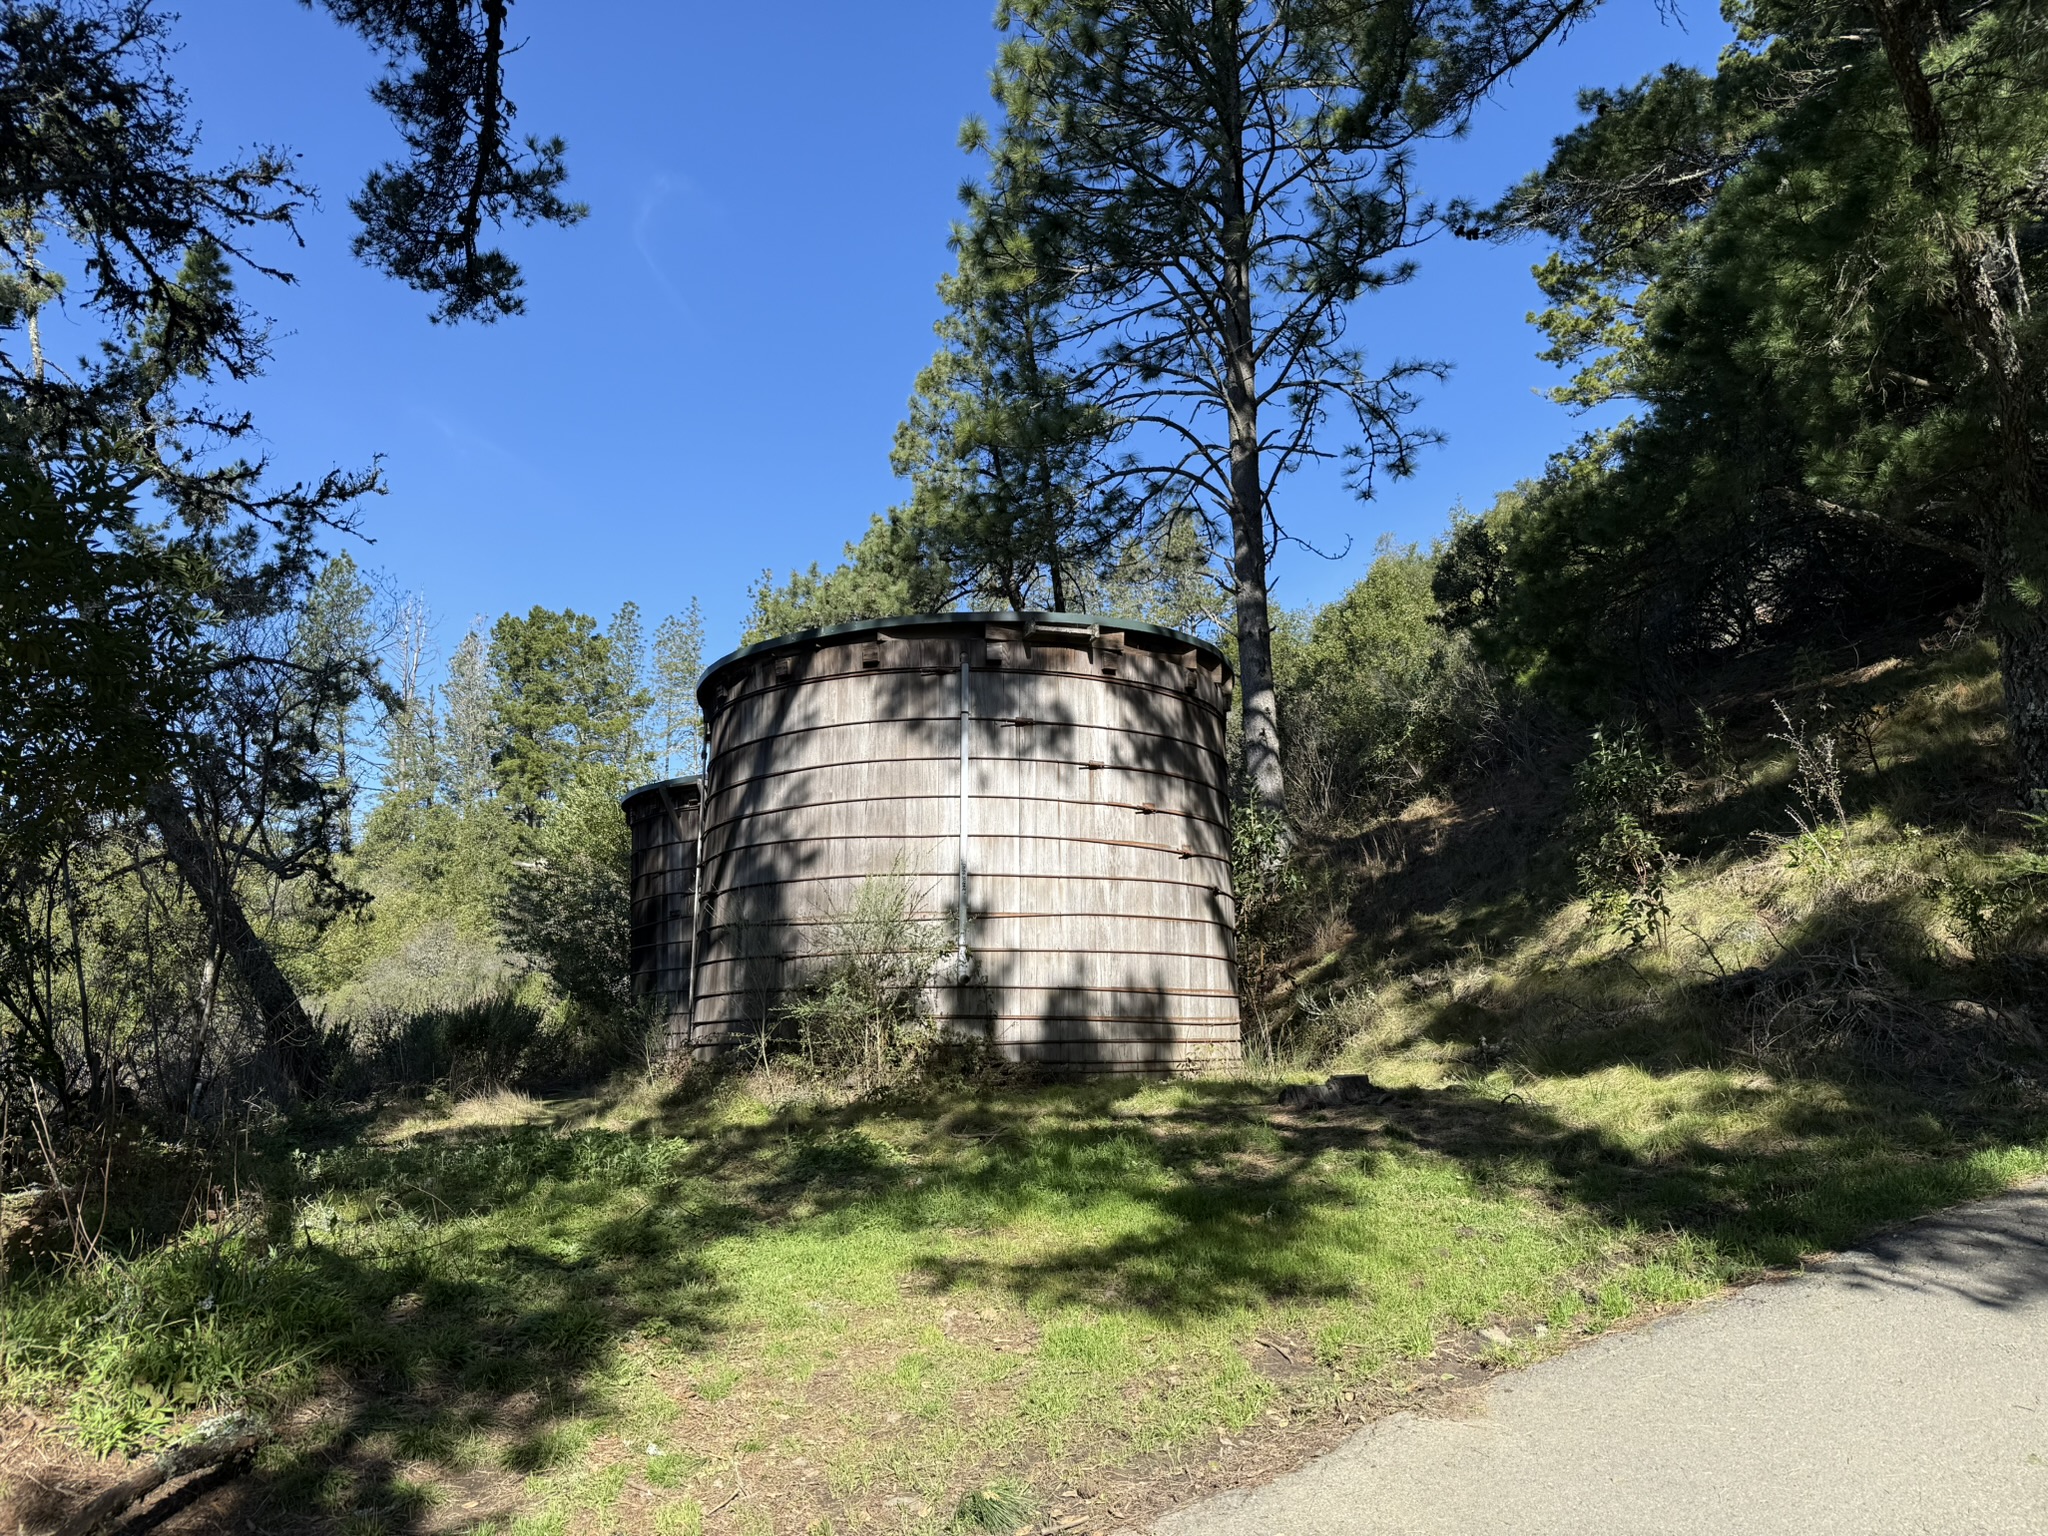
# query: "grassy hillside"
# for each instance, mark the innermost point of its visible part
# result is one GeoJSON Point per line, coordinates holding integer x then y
{"type": "Point", "coordinates": [745, 1304]}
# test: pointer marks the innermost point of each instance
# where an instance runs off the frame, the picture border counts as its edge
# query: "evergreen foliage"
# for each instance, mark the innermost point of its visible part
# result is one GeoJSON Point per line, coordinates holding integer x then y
{"type": "Point", "coordinates": [890, 571]}
{"type": "Point", "coordinates": [444, 89]}
{"type": "Point", "coordinates": [677, 724]}
{"type": "Point", "coordinates": [565, 907]}
{"type": "Point", "coordinates": [1624, 867]}
{"type": "Point", "coordinates": [183, 679]}
{"type": "Point", "coordinates": [1813, 270]}
{"type": "Point", "coordinates": [564, 705]}
{"type": "Point", "coordinates": [1005, 449]}
{"type": "Point", "coordinates": [1378, 699]}
{"type": "Point", "coordinates": [1147, 327]}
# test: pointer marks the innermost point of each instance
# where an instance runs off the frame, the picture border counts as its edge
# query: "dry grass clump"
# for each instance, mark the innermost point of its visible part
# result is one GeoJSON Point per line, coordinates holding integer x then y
{"type": "Point", "coordinates": [1838, 1006]}
{"type": "Point", "coordinates": [440, 1112]}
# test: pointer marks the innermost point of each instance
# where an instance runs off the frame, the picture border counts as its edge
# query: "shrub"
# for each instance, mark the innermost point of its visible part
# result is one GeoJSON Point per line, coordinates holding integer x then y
{"type": "Point", "coordinates": [1377, 697]}
{"type": "Point", "coordinates": [568, 903]}
{"type": "Point", "coordinates": [1268, 884]}
{"type": "Point", "coordinates": [1623, 864]}
{"type": "Point", "coordinates": [2002, 907]}
{"type": "Point", "coordinates": [474, 1046]}
{"type": "Point", "coordinates": [1822, 823]}
{"type": "Point", "coordinates": [863, 1009]}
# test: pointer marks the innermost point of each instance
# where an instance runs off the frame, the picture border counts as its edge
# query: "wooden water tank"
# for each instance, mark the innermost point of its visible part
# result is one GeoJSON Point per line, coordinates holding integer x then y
{"type": "Point", "coordinates": [1084, 759]}
{"type": "Point", "coordinates": [662, 819]}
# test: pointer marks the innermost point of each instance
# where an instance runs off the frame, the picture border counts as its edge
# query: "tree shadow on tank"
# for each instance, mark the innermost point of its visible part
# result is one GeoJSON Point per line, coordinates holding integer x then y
{"type": "Point", "coordinates": [1149, 983]}
{"type": "Point", "coordinates": [771, 883]}
{"type": "Point", "coordinates": [767, 893]}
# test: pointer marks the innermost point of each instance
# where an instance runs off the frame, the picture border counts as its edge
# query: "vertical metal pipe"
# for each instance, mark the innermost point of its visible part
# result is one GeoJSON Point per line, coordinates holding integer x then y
{"type": "Point", "coordinates": [697, 903]}
{"type": "Point", "coordinates": [966, 715]}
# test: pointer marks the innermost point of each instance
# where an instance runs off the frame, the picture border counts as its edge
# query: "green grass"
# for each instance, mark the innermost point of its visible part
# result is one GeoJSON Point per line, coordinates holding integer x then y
{"type": "Point", "coordinates": [762, 1308]}
{"type": "Point", "coordinates": [923, 1296]}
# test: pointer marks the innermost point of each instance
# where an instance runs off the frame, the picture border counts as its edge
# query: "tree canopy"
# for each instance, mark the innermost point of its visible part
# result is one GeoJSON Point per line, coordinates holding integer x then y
{"type": "Point", "coordinates": [1812, 269]}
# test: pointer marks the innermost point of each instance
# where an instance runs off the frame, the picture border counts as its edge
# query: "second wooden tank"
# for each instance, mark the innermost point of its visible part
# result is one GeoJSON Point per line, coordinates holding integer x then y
{"type": "Point", "coordinates": [662, 821]}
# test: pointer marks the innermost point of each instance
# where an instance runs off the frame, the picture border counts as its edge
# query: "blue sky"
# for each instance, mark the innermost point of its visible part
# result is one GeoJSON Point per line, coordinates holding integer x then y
{"type": "Point", "coordinates": [711, 366]}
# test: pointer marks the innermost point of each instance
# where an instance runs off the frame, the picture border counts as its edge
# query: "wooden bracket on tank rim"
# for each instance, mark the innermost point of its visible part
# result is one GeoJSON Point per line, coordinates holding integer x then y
{"type": "Point", "coordinates": [996, 642]}
{"type": "Point", "coordinates": [1106, 651]}
{"type": "Point", "coordinates": [1068, 637]}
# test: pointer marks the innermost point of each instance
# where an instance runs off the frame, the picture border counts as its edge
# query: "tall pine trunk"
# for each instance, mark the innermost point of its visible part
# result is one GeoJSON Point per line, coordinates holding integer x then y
{"type": "Point", "coordinates": [1258, 703]}
{"type": "Point", "coordinates": [1987, 286]}
{"type": "Point", "coordinates": [1258, 700]}
{"type": "Point", "coordinates": [288, 1032]}
{"type": "Point", "coordinates": [2023, 661]}
{"type": "Point", "coordinates": [2010, 525]}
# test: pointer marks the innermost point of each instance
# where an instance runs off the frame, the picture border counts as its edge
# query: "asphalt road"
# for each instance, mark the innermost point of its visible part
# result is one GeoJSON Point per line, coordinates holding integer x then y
{"type": "Point", "coordinates": [1901, 1388]}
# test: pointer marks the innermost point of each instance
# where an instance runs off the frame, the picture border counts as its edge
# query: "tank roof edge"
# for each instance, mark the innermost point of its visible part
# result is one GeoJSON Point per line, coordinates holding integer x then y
{"type": "Point", "coordinates": [979, 616]}
{"type": "Point", "coordinates": [688, 781]}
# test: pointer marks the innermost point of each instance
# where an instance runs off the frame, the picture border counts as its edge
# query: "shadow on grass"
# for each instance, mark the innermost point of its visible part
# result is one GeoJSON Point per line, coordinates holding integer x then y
{"type": "Point", "coordinates": [463, 1294]}
{"type": "Point", "coordinates": [450, 1303]}
{"type": "Point", "coordinates": [456, 1300]}
{"type": "Point", "coordinates": [1807, 1180]}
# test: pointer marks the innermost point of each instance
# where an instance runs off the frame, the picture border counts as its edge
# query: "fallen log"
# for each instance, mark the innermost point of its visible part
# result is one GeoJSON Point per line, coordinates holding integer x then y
{"type": "Point", "coordinates": [1344, 1088]}
{"type": "Point", "coordinates": [211, 1445]}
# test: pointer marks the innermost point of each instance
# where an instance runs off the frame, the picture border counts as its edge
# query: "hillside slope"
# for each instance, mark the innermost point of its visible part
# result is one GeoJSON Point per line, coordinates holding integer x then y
{"type": "Point", "coordinates": [1852, 904]}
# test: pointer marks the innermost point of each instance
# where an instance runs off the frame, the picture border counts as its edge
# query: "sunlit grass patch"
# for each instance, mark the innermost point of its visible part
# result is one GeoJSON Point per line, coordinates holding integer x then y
{"type": "Point", "coordinates": [873, 1299]}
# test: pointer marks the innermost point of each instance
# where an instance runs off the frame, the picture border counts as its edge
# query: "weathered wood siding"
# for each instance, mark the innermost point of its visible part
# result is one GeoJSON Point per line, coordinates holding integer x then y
{"type": "Point", "coordinates": [1101, 928]}
{"type": "Point", "coordinates": [663, 821]}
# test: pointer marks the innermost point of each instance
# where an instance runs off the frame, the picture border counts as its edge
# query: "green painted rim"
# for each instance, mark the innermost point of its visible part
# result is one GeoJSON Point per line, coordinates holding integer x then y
{"type": "Point", "coordinates": [944, 620]}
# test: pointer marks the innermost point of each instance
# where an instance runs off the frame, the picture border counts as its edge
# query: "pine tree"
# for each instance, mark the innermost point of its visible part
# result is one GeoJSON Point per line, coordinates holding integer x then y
{"type": "Point", "coordinates": [1814, 269]}
{"type": "Point", "coordinates": [444, 89]}
{"type": "Point", "coordinates": [678, 661]}
{"type": "Point", "coordinates": [1215, 184]}
{"type": "Point", "coordinates": [99, 158]}
{"type": "Point", "coordinates": [890, 571]}
{"type": "Point", "coordinates": [412, 724]}
{"type": "Point", "coordinates": [627, 694]}
{"type": "Point", "coordinates": [337, 626]}
{"type": "Point", "coordinates": [1004, 449]}
{"type": "Point", "coordinates": [555, 698]}
{"type": "Point", "coordinates": [471, 731]}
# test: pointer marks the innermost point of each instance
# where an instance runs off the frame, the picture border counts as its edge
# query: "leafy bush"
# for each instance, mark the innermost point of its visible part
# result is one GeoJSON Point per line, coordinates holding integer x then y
{"type": "Point", "coordinates": [568, 906]}
{"type": "Point", "coordinates": [1623, 864]}
{"type": "Point", "coordinates": [863, 1009]}
{"type": "Point", "coordinates": [476, 1046]}
{"type": "Point", "coordinates": [2002, 907]}
{"type": "Point", "coordinates": [1377, 697]}
{"type": "Point", "coordinates": [1269, 885]}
